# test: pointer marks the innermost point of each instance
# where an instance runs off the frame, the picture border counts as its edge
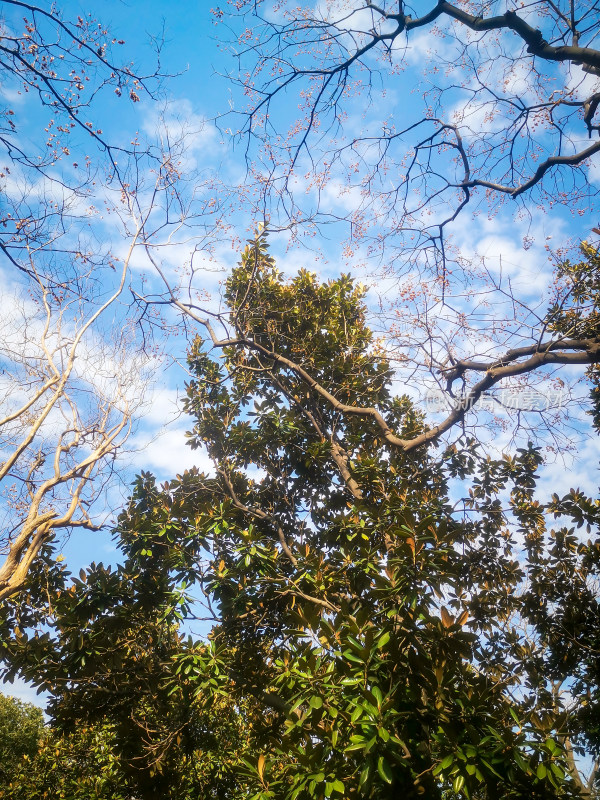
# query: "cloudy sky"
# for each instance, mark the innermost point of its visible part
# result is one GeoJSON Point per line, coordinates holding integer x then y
{"type": "Point", "coordinates": [193, 110]}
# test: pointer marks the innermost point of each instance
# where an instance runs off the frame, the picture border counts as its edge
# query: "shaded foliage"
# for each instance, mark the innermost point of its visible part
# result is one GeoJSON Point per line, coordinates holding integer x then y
{"type": "Point", "coordinates": [21, 731]}
{"type": "Point", "coordinates": [103, 646]}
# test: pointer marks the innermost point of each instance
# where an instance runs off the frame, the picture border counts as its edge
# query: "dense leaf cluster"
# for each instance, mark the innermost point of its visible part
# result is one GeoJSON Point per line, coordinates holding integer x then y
{"type": "Point", "coordinates": [384, 623]}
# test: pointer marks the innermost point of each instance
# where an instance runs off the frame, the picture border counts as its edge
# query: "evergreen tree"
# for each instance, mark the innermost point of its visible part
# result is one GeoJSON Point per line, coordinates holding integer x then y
{"type": "Point", "coordinates": [378, 629]}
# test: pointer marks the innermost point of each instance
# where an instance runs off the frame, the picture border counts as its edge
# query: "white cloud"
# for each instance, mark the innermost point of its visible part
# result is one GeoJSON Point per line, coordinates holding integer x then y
{"type": "Point", "coordinates": [192, 139]}
{"type": "Point", "coordinates": [351, 18]}
{"type": "Point", "coordinates": [160, 445]}
{"type": "Point", "coordinates": [579, 470]}
{"type": "Point", "coordinates": [579, 84]}
{"type": "Point", "coordinates": [511, 247]}
{"type": "Point", "coordinates": [13, 96]}
{"type": "Point", "coordinates": [166, 453]}
{"type": "Point", "coordinates": [25, 692]}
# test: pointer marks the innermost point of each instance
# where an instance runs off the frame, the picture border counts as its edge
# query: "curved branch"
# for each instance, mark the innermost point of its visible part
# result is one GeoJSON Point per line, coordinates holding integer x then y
{"type": "Point", "coordinates": [258, 514]}
{"type": "Point", "coordinates": [585, 351]}
{"type": "Point", "coordinates": [532, 37]}
{"type": "Point", "coordinates": [514, 191]}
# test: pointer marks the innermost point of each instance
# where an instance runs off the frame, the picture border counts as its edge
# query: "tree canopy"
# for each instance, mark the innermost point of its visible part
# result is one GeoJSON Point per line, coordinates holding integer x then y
{"type": "Point", "coordinates": [21, 733]}
{"type": "Point", "coordinates": [351, 599]}
{"type": "Point", "coordinates": [382, 621]}
{"type": "Point", "coordinates": [446, 146]}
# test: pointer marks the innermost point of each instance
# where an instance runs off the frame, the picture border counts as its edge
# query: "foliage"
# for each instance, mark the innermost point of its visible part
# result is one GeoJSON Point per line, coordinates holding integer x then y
{"type": "Point", "coordinates": [88, 763]}
{"type": "Point", "coordinates": [379, 630]}
{"type": "Point", "coordinates": [76, 767]}
{"type": "Point", "coordinates": [575, 312]}
{"type": "Point", "coordinates": [437, 142]}
{"type": "Point", "coordinates": [120, 728]}
{"type": "Point", "coordinates": [21, 732]}
{"type": "Point", "coordinates": [387, 627]}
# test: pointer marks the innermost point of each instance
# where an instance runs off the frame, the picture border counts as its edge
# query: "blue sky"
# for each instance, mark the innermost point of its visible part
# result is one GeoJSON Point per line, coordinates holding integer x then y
{"type": "Point", "coordinates": [198, 94]}
{"type": "Point", "coordinates": [510, 246]}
